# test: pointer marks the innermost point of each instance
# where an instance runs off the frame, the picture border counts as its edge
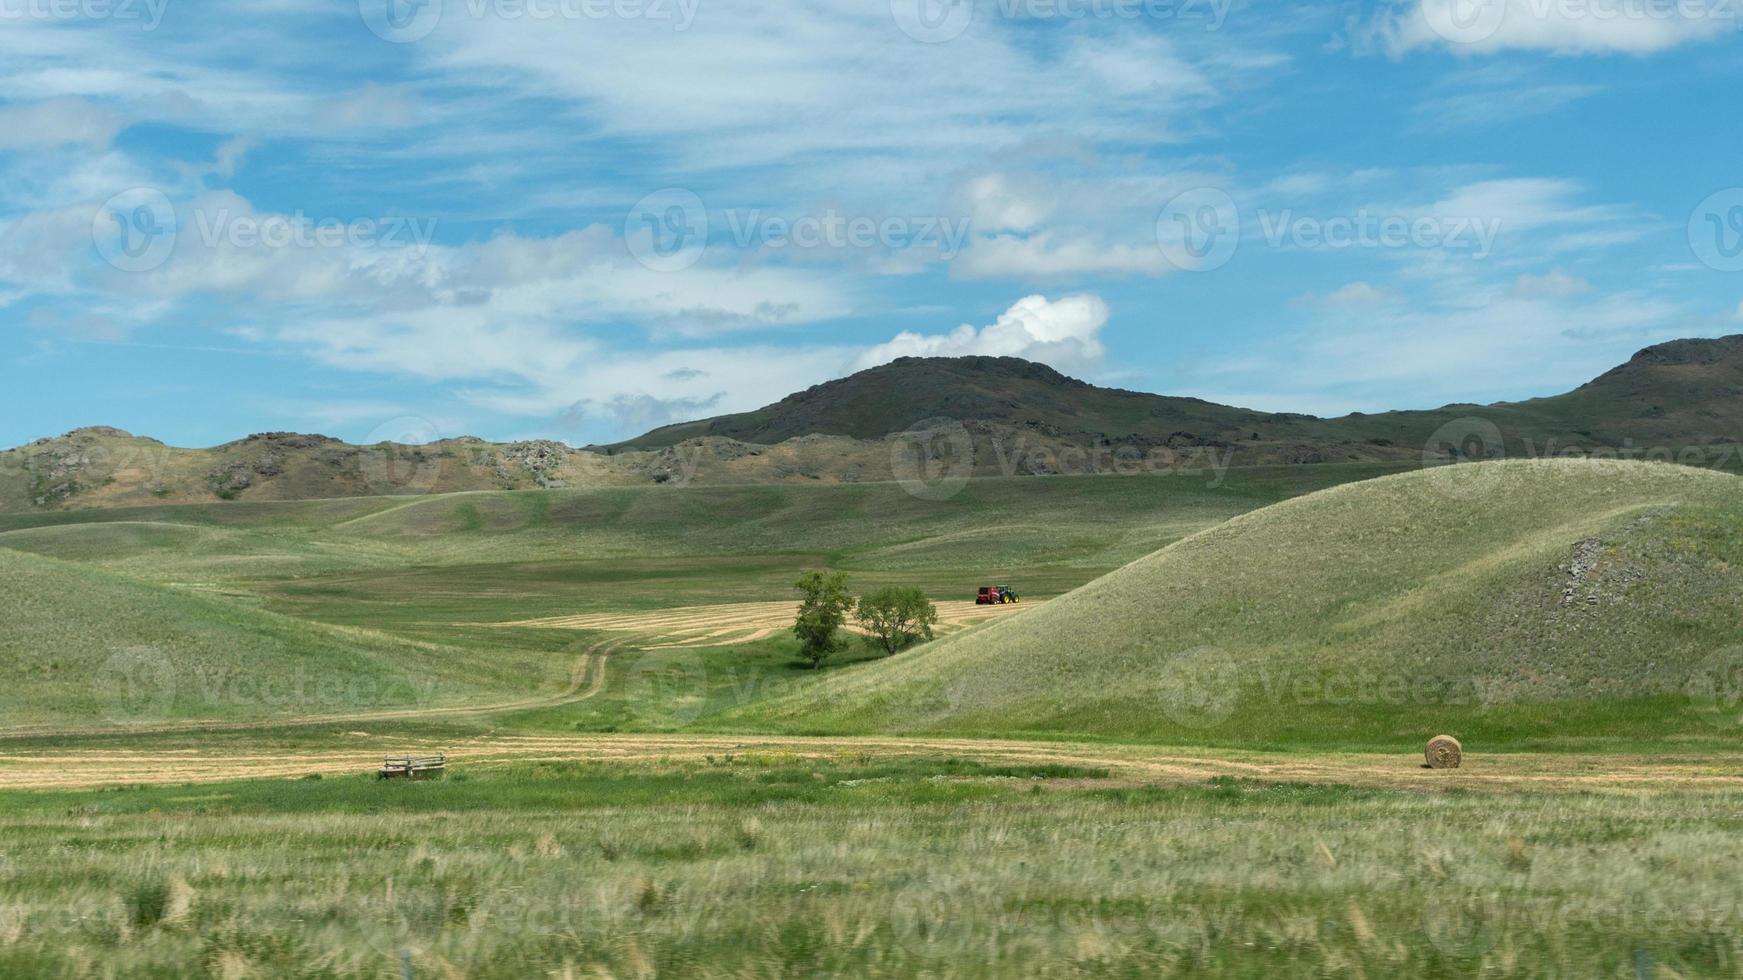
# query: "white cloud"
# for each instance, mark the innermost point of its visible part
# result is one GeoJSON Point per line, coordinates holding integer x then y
{"type": "Point", "coordinates": [1499, 105]}
{"type": "Point", "coordinates": [1636, 27]}
{"type": "Point", "coordinates": [1353, 295]}
{"type": "Point", "coordinates": [1521, 204]}
{"type": "Point", "coordinates": [636, 391]}
{"type": "Point", "coordinates": [886, 118]}
{"type": "Point", "coordinates": [1000, 202]}
{"type": "Point", "coordinates": [1065, 333]}
{"type": "Point", "coordinates": [1498, 344]}
{"type": "Point", "coordinates": [58, 122]}
{"type": "Point", "coordinates": [1553, 285]}
{"type": "Point", "coordinates": [1049, 255]}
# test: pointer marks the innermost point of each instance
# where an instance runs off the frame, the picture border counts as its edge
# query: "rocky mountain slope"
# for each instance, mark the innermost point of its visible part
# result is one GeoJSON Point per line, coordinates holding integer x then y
{"type": "Point", "coordinates": [927, 420]}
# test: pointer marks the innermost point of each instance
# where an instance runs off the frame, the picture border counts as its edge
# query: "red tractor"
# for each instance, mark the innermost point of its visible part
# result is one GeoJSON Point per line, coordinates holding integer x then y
{"type": "Point", "coordinates": [995, 595]}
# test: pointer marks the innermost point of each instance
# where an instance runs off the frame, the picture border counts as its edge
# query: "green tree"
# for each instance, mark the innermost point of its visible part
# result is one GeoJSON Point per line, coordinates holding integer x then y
{"type": "Point", "coordinates": [821, 615]}
{"type": "Point", "coordinates": [896, 617]}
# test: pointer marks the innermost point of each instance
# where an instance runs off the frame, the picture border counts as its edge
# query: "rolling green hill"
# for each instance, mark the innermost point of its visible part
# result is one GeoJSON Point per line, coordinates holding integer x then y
{"type": "Point", "coordinates": [1079, 521]}
{"type": "Point", "coordinates": [82, 646]}
{"type": "Point", "coordinates": [1514, 602]}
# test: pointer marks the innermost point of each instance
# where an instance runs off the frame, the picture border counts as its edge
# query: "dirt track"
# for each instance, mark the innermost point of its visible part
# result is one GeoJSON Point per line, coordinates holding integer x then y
{"type": "Point", "coordinates": [358, 752]}
{"type": "Point", "coordinates": [587, 680]}
{"type": "Point", "coordinates": [743, 622]}
{"type": "Point", "coordinates": [350, 748]}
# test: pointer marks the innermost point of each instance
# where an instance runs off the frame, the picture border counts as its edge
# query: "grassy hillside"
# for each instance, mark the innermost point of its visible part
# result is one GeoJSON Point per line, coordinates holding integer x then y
{"type": "Point", "coordinates": [1014, 523]}
{"type": "Point", "coordinates": [1510, 602]}
{"type": "Point", "coordinates": [84, 646]}
{"type": "Point", "coordinates": [340, 594]}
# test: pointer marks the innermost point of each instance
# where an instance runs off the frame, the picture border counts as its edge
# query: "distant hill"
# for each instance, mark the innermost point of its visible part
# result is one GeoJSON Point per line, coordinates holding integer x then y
{"type": "Point", "coordinates": [1543, 600]}
{"type": "Point", "coordinates": [1682, 393]}
{"type": "Point", "coordinates": [993, 415]}
{"type": "Point", "coordinates": [1009, 392]}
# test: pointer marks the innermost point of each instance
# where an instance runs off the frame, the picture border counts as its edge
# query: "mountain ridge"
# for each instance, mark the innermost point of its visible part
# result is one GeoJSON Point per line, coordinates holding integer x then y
{"type": "Point", "coordinates": [1009, 416]}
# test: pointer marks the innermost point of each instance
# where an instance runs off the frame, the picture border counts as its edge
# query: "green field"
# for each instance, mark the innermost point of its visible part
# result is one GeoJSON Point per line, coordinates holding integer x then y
{"type": "Point", "coordinates": [767, 866]}
{"type": "Point", "coordinates": [421, 576]}
{"type": "Point", "coordinates": [1198, 756]}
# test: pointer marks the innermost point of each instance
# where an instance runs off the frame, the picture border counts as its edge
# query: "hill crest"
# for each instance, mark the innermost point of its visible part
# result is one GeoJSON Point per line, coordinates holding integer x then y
{"type": "Point", "coordinates": [1020, 418]}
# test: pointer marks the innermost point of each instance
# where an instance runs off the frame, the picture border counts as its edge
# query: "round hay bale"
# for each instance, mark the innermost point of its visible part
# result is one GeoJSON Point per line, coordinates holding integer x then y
{"type": "Point", "coordinates": [1445, 752]}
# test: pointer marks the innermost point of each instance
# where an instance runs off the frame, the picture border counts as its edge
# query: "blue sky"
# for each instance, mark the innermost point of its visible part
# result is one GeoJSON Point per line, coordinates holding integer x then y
{"type": "Point", "coordinates": [579, 219]}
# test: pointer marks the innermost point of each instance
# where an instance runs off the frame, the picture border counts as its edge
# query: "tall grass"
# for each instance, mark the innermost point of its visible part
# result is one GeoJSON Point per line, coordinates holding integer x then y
{"type": "Point", "coordinates": [777, 867]}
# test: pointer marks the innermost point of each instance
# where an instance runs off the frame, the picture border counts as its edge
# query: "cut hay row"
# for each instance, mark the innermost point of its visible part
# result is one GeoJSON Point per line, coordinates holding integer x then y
{"type": "Point", "coordinates": [64, 768]}
{"type": "Point", "coordinates": [734, 623]}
